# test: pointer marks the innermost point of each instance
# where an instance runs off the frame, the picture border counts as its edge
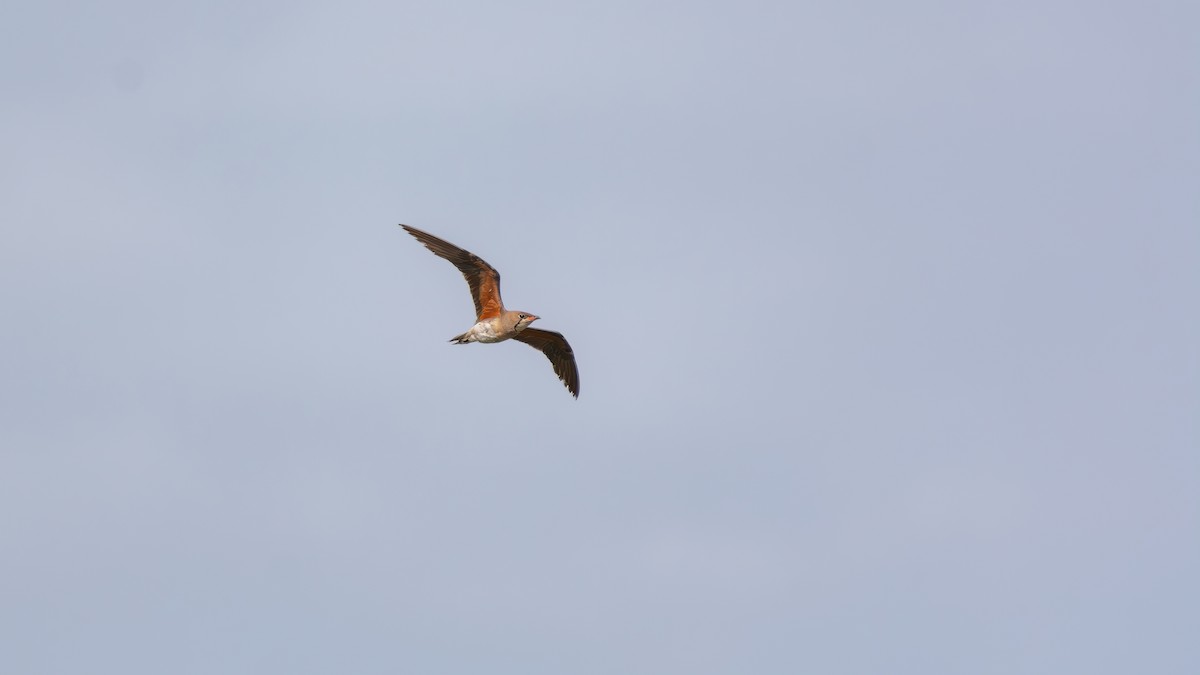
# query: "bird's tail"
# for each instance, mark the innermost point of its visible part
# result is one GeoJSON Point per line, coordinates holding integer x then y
{"type": "Point", "coordinates": [461, 339]}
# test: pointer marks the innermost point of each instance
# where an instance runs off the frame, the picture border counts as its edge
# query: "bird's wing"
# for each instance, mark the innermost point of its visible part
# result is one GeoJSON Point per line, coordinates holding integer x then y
{"type": "Point", "coordinates": [555, 347]}
{"type": "Point", "coordinates": [483, 279]}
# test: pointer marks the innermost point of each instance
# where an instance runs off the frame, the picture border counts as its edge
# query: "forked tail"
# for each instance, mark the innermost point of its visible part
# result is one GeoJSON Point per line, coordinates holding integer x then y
{"type": "Point", "coordinates": [461, 339]}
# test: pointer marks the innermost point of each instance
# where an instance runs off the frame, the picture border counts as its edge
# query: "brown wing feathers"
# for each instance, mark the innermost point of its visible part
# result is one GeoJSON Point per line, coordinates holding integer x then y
{"type": "Point", "coordinates": [483, 279]}
{"type": "Point", "coordinates": [556, 348]}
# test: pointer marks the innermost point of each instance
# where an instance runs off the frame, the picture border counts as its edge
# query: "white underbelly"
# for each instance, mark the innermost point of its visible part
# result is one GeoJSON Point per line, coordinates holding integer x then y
{"type": "Point", "coordinates": [484, 331]}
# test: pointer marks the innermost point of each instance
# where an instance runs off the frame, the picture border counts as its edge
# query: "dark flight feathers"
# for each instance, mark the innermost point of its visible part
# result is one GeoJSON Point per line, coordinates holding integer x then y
{"type": "Point", "coordinates": [483, 279]}
{"type": "Point", "coordinates": [556, 348]}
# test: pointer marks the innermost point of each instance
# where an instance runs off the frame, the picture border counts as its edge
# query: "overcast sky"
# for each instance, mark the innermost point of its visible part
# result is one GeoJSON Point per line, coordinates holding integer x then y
{"type": "Point", "coordinates": [885, 315]}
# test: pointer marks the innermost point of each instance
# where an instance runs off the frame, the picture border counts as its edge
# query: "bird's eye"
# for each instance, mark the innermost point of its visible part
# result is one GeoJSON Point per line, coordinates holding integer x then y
{"type": "Point", "coordinates": [522, 316]}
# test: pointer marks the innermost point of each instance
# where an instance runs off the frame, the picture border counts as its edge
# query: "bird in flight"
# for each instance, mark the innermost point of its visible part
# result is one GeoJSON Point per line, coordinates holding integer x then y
{"type": "Point", "coordinates": [494, 323]}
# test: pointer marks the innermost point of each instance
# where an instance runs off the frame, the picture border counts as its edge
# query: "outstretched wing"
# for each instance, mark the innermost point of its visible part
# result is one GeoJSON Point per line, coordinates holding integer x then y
{"type": "Point", "coordinates": [555, 347]}
{"type": "Point", "coordinates": [483, 279]}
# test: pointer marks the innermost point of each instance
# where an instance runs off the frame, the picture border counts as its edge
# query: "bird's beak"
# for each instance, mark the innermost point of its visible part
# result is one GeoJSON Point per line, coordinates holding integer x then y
{"type": "Point", "coordinates": [533, 318]}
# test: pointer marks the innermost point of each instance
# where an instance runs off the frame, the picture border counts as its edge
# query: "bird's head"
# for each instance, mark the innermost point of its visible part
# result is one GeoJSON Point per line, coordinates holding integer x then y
{"type": "Point", "coordinates": [524, 319]}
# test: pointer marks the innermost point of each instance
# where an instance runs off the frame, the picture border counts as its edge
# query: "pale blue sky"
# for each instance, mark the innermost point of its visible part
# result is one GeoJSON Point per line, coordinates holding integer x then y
{"type": "Point", "coordinates": [885, 317]}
